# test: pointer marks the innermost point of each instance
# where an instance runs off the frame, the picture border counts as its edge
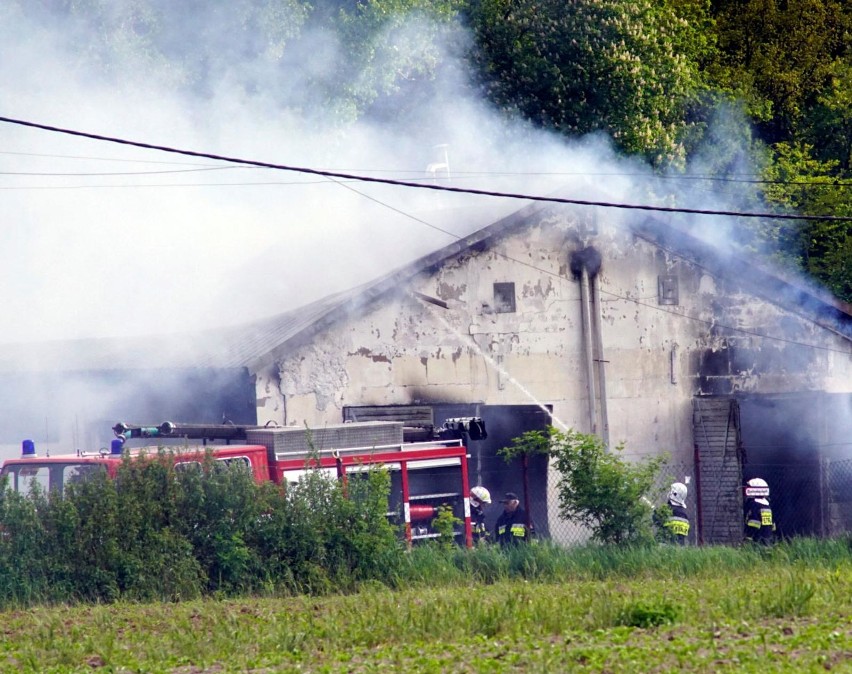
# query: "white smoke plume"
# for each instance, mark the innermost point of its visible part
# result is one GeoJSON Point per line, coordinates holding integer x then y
{"type": "Point", "coordinates": [198, 243]}
{"type": "Point", "coordinates": [109, 241]}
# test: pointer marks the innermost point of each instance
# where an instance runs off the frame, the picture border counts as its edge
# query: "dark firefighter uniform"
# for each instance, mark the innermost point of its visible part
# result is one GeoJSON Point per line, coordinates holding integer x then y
{"type": "Point", "coordinates": [759, 524]}
{"type": "Point", "coordinates": [477, 523]}
{"type": "Point", "coordinates": [511, 528]}
{"type": "Point", "coordinates": [677, 523]}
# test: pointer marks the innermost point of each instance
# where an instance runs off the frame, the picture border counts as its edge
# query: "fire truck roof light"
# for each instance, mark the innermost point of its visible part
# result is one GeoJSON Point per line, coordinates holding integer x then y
{"type": "Point", "coordinates": [28, 449]}
{"type": "Point", "coordinates": [116, 447]}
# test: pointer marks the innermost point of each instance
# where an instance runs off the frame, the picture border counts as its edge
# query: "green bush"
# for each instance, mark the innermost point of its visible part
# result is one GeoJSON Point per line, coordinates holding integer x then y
{"type": "Point", "coordinates": [157, 533]}
{"type": "Point", "coordinates": [596, 487]}
{"type": "Point", "coordinates": [444, 524]}
{"type": "Point", "coordinates": [648, 614]}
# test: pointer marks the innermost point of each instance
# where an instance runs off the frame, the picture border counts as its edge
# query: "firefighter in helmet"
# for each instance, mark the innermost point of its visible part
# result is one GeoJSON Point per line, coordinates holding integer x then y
{"type": "Point", "coordinates": [479, 498]}
{"type": "Point", "coordinates": [677, 524]}
{"type": "Point", "coordinates": [759, 522]}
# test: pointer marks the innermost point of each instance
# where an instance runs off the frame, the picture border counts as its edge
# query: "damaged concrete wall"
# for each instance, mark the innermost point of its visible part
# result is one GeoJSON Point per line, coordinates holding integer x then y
{"type": "Point", "coordinates": [403, 350]}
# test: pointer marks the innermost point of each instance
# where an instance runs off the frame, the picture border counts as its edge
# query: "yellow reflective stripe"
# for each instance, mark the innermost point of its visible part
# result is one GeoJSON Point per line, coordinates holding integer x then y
{"type": "Point", "coordinates": [755, 524]}
{"type": "Point", "coordinates": [519, 530]}
{"type": "Point", "coordinates": [501, 530]}
{"type": "Point", "coordinates": [678, 526]}
{"type": "Point", "coordinates": [766, 518]}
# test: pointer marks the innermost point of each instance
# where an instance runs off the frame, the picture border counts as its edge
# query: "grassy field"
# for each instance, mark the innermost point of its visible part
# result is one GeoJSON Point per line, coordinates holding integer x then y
{"type": "Point", "coordinates": [659, 610]}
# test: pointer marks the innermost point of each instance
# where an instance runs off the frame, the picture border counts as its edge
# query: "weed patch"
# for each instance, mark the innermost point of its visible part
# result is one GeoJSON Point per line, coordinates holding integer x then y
{"type": "Point", "coordinates": [648, 614]}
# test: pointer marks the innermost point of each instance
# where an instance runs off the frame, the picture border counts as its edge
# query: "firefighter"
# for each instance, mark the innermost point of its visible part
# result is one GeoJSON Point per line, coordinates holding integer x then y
{"type": "Point", "coordinates": [677, 523]}
{"type": "Point", "coordinates": [511, 526]}
{"type": "Point", "coordinates": [759, 523]}
{"type": "Point", "coordinates": [479, 498]}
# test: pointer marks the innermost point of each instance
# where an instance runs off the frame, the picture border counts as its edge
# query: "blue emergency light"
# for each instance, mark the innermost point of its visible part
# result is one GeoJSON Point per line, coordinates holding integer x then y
{"type": "Point", "coordinates": [28, 449]}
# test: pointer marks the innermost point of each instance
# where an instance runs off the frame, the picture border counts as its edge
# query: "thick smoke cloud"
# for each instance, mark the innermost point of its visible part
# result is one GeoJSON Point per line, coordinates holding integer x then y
{"type": "Point", "coordinates": [195, 243]}
{"type": "Point", "coordinates": [109, 241]}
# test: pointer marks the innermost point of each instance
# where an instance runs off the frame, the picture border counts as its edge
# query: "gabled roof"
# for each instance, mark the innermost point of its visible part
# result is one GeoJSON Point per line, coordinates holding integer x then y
{"type": "Point", "coordinates": [793, 294]}
{"type": "Point", "coordinates": [810, 302]}
{"type": "Point", "coordinates": [258, 342]}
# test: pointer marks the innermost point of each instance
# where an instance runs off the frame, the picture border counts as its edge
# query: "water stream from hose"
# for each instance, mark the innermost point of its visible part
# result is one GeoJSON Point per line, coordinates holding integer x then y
{"type": "Point", "coordinates": [467, 339]}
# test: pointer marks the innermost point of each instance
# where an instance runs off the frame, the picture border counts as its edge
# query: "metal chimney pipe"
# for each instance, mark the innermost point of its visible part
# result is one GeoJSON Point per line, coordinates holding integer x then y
{"type": "Point", "coordinates": [596, 316]}
{"type": "Point", "coordinates": [588, 347]}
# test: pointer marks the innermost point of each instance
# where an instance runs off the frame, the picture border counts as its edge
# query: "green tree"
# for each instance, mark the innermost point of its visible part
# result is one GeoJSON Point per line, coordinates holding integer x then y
{"type": "Point", "coordinates": [801, 183]}
{"type": "Point", "coordinates": [626, 67]}
{"type": "Point", "coordinates": [780, 55]}
{"type": "Point", "coordinates": [597, 487]}
{"type": "Point", "coordinates": [394, 51]}
{"type": "Point", "coordinates": [828, 127]}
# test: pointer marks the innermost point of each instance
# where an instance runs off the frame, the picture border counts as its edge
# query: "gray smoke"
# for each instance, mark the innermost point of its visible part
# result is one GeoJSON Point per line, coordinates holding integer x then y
{"type": "Point", "coordinates": [95, 248]}
{"type": "Point", "coordinates": [210, 244]}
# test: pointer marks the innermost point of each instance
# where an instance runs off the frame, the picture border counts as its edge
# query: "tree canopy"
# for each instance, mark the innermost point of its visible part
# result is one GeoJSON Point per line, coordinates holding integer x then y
{"type": "Point", "coordinates": [626, 67]}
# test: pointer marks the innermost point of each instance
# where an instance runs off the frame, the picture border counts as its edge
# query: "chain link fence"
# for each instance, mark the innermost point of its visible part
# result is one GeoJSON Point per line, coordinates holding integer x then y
{"type": "Point", "coordinates": [837, 481]}
{"type": "Point", "coordinates": [566, 532]}
{"type": "Point", "coordinates": [808, 499]}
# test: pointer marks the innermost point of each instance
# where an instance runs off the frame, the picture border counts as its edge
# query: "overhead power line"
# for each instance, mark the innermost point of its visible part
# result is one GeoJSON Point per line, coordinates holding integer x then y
{"type": "Point", "coordinates": [114, 173]}
{"type": "Point", "coordinates": [423, 186]}
{"type": "Point", "coordinates": [746, 178]}
{"type": "Point", "coordinates": [90, 158]}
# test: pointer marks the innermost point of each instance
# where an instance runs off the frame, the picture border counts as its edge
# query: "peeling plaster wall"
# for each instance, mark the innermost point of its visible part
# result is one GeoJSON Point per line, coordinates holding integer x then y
{"type": "Point", "coordinates": [406, 351]}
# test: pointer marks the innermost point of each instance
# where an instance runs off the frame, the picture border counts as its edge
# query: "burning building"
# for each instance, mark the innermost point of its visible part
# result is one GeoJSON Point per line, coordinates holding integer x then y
{"type": "Point", "coordinates": [643, 334]}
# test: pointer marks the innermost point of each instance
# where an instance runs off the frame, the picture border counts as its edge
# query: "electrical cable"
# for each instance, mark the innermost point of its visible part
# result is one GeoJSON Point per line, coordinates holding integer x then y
{"type": "Point", "coordinates": [402, 183]}
{"type": "Point", "coordinates": [24, 188]}
{"type": "Point", "coordinates": [89, 158]}
{"type": "Point", "coordinates": [117, 173]}
{"type": "Point", "coordinates": [331, 174]}
{"type": "Point", "coordinates": [827, 182]}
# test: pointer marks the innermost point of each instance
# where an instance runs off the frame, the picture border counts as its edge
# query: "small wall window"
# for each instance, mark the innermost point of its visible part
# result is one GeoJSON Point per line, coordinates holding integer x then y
{"type": "Point", "coordinates": [667, 290]}
{"type": "Point", "coordinates": [504, 298]}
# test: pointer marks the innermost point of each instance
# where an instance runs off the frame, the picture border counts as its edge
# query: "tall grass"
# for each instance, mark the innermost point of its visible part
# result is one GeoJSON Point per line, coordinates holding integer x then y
{"type": "Point", "coordinates": [546, 562]}
{"type": "Point", "coordinates": [157, 534]}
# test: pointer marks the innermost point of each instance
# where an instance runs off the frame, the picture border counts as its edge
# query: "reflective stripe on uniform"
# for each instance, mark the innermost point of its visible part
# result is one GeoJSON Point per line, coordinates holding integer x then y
{"type": "Point", "coordinates": [755, 524]}
{"type": "Point", "coordinates": [501, 530]}
{"type": "Point", "coordinates": [679, 526]}
{"type": "Point", "coordinates": [519, 530]}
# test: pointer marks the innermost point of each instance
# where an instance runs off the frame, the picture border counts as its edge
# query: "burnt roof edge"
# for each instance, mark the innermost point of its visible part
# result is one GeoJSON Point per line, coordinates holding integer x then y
{"type": "Point", "coordinates": [831, 314]}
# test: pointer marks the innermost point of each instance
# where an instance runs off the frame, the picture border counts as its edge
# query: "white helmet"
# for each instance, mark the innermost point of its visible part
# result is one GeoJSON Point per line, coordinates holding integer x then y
{"type": "Point", "coordinates": [480, 495]}
{"type": "Point", "coordinates": [756, 487]}
{"type": "Point", "coordinates": [677, 494]}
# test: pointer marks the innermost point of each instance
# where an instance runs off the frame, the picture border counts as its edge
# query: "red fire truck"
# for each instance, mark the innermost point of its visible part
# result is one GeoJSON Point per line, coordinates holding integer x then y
{"type": "Point", "coordinates": [424, 475]}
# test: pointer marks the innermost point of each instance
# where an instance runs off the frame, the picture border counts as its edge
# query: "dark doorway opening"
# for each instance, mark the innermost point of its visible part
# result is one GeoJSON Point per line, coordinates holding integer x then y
{"type": "Point", "coordinates": [503, 423]}
{"type": "Point", "coordinates": [781, 444]}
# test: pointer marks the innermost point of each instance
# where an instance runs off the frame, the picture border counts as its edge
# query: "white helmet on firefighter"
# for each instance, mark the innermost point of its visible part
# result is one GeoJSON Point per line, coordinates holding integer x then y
{"type": "Point", "coordinates": [480, 495]}
{"type": "Point", "coordinates": [677, 494]}
{"type": "Point", "coordinates": [758, 489]}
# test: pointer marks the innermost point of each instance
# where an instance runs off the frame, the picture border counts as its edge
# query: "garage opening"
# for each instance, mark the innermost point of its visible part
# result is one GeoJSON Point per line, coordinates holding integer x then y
{"type": "Point", "coordinates": [503, 423]}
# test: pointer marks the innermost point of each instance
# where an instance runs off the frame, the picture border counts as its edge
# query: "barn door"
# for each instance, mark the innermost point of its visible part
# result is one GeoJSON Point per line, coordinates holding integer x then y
{"type": "Point", "coordinates": [718, 459]}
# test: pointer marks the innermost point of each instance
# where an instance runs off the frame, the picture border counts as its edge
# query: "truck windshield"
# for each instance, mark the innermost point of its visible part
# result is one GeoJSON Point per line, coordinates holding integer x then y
{"type": "Point", "coordinates": [48, 476]}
